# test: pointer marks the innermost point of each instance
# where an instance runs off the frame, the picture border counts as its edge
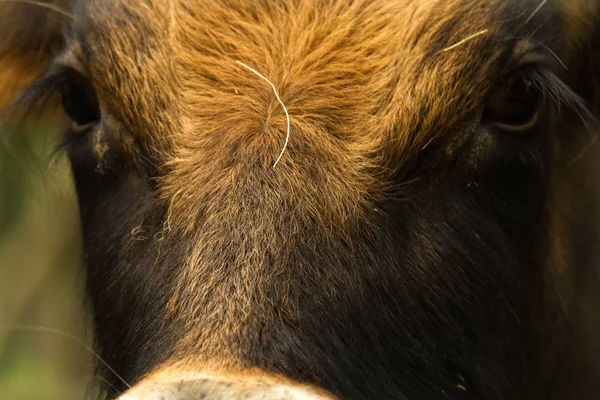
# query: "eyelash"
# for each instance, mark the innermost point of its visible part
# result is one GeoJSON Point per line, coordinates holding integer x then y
{"type": "Point", "coordinates": [559, 93]}
{"type": "Point", "coordinates": [40, 92]}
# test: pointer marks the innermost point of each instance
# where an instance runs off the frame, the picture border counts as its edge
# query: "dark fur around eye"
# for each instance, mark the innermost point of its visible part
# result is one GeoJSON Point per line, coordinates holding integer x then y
{"type": "Point", "coordinates": [77, 94]}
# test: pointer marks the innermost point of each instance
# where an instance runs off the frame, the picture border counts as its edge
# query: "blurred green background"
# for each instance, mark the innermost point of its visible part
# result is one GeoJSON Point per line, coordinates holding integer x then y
{"type": "Point", "coordinates": [41, 279]}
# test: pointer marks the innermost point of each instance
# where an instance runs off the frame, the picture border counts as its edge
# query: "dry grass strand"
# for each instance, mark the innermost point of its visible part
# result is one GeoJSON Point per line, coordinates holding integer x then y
{"type": "Point", "coordinates": [537, 10]}
{"type": "Point", "coordinates": [287, 115]}
{"type": "Point", "coordinates": [468, 38]}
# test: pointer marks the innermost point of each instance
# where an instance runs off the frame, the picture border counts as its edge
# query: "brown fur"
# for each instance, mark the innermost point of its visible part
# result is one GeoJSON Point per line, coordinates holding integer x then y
{"type": "Point", "coordinates": [381, 106]}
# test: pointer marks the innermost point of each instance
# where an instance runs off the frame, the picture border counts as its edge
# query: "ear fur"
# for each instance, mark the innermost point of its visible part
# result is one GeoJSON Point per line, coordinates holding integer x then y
{"type": "Point", "coordinates": [574, 273]}
{"type": "Point", "coordinates": [580, 17]}
{"type": "Point", "coordinates": [580, 33]}
{"type": "Point", "coordinates": [30, 34]}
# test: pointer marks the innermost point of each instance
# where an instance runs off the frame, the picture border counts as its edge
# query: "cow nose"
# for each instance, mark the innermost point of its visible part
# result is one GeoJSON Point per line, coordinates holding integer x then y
{"type": "Point", "coordinates": [172, 385]}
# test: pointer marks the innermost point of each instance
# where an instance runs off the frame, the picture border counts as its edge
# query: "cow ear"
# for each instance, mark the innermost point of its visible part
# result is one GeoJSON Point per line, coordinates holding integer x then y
{"type": "Point", "coordinates": [31, 33]}
{"type": "Point", "coordinates": [581, 41]}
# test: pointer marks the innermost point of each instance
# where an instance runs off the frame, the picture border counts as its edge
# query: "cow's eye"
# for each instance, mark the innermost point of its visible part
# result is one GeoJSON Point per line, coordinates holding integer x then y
{"type": "Point", "coordinates": [79, 101]}
{"type": "Point", "coordinates": [516, 106]}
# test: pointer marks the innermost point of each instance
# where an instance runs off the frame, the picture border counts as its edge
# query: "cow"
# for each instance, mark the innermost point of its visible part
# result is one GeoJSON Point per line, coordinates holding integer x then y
{"type": "Point", "coordinates": [327, 199]}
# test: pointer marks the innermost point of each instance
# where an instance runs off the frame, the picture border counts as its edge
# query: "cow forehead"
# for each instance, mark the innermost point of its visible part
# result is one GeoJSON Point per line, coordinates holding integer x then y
{"type": "Point", "coordinates": [353, 68]}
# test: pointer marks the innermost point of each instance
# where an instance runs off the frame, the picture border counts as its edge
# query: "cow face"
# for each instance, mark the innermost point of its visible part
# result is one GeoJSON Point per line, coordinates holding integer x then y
{"type": "Point", "coordinates": [304, 199]}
